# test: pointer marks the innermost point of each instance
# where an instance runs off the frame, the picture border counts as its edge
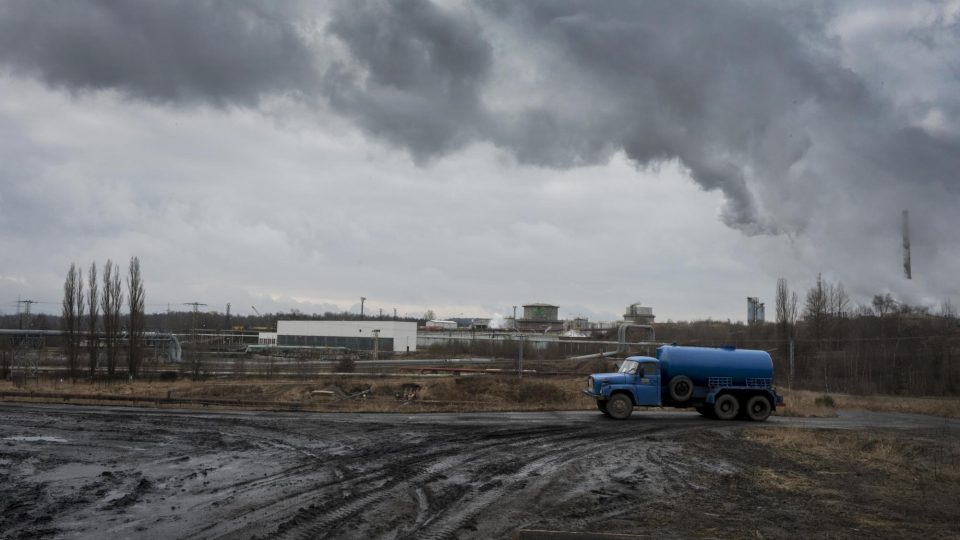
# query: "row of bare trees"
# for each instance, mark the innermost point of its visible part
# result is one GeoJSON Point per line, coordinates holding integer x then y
{"type": "Point", "coordinates": [81, 318]}
{"type": "Point", "coordinates": [882, 346]}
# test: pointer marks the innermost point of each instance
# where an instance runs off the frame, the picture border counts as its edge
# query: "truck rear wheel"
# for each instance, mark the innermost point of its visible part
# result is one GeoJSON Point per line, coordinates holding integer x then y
{"type": "Point", "coordinates": [602, 405]}
{"type": "Point", "coordinates": [758, 408]}
{"type": "Point", "coordinates": [619, 406]}
{"type": "Point", "coordinates": [726, 407]}
{"type": "Point", "coordinates": [680, 388]}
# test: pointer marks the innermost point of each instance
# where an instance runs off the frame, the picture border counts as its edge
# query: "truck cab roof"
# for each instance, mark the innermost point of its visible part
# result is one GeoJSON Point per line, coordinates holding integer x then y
{"type": "Point", "coordinates": [642, 359]}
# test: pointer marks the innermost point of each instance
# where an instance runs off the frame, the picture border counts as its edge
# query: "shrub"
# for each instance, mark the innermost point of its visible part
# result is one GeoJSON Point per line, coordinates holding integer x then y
{"type": "Point", "coordinates": [825, 401]}
{"type": "Point", "coordinates": [346, 365]}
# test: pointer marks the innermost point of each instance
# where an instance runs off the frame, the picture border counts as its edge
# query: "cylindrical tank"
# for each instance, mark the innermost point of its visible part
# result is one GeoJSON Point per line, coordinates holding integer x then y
{"type": "Point", "coordinates": [701, 363]}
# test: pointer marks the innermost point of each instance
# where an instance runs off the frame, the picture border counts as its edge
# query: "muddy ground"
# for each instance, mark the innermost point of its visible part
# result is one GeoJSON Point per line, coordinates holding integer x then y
{"type": "Point", "coordinates": [97, 472]}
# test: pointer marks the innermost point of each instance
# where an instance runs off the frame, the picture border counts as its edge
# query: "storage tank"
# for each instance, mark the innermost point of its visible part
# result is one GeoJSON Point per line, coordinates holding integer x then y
{"type": "Point", "coordinates": [541, 312]}
{"type": "Point", "coordinates": [703, 363]}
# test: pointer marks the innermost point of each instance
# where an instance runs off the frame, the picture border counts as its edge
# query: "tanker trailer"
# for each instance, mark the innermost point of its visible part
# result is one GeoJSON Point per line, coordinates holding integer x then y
{"type": "Point", "coordinates": [722, 383]}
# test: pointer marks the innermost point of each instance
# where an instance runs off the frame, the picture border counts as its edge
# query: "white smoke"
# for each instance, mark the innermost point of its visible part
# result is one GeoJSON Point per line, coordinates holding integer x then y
{"type": "Point", "coordinates": [497, 322]}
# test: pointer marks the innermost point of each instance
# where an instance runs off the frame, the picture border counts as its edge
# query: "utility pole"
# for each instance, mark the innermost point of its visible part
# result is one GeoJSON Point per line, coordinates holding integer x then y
{"type": "Point", "coordinates": [196, 307]}
{"type": "Point", "coordinates": [26, 310]}
{"type": "Point", "coordinates": [381, 314]}
{"type": "Point", "coordinates": [520, 359]}
{"type": "Point", "coordinates": [194, 338]}
{"type": "Point", "coordinates": [907, 270]}
{"type": "Point", "coordinates": [394, 313]}
{"type": "Point", "coordinates": [228, 316]}
{"type": "Point", "coordinates": [790, 379]}
{"type": "Point", "coordinates": [362, 300]}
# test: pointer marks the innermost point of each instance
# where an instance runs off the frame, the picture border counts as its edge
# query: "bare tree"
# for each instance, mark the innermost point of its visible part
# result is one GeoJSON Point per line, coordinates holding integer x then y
{"type": "Point", "coordinates": [135, 300]}
{"type": "Point", "coordinates": [786, 309]}
{"type": "Point", "coordinates": [71, 322]}
{"type": "Point", "coordinates": [948, 313]}
{"type": "Point", "coordinates": [79, 301]}
{"type": "Point", "coordinates": [883, 305]}
{"type": "Point", "coordinates": [69, 313]}
{"type": "Point", "coordinates": [93, 303]}
{"type": "Point", "coordinates": [815, 310]}
{"type": "Point", "coordinates": [839, 310]}
{"type": "Point", "coordinates": [111, 302]}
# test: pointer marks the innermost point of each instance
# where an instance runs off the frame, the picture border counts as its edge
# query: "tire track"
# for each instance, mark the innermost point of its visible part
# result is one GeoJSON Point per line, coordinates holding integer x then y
{"type": "Point", "coordinates": [321, 521]}
{"type": "Point", "coordinates": [448, 524]}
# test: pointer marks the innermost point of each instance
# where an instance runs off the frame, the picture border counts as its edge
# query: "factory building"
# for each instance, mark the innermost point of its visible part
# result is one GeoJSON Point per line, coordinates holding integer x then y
{"type": "Point", "coordinates": [637, 313]}
{"type": "Point", "coordinates": [437, 324]}
{"type": "Point", "coordinates": [396, 336]}
{"type": "Point", "coordinates": [540, 318]}
{"type": "Point", "coordinates": [755, 310]}
{"type": "Point", "coordinates": [267, 338]}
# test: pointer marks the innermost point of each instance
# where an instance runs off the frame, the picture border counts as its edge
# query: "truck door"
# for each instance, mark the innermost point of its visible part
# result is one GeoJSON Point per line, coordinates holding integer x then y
{"type": "Point", "coordinates": [647, 388]}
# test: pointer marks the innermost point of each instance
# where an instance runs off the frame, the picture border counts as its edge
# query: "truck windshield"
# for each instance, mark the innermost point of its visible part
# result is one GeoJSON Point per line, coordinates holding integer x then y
{"type": "Point", "coordinates": [629, 366]}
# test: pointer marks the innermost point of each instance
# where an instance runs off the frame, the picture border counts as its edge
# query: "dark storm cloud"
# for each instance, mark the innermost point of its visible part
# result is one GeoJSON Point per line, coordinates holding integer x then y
{"type": "Point", "coordinates": [423, 70]}
{"type": "Point", "coordinates": [662, 80]}
{"type": "Point", "coordinates": [766, 102]}
{"type": "Point", "coordinates": [755, 99]}
{"type": "Point", "coordinates": [216, 51]}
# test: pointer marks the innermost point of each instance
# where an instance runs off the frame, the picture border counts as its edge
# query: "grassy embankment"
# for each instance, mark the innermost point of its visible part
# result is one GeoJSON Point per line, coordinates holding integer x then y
{"type": "Point", "coordinates": [804, 403]}
{"type": "Point", "coordinates": [480, 393]}
{"type": "Point", "coordinates": [485, 393]}
{"type": "Point", "coordinates": [880, 482]}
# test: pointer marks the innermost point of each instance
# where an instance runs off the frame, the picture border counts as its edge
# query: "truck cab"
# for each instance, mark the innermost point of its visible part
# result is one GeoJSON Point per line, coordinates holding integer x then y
{"type": "Point", "coordinates": [638, 377]}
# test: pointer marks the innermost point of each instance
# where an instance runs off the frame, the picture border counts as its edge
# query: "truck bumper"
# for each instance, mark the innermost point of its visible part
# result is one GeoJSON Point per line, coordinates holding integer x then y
{"type": "Point", "coordinates": [590, 394]}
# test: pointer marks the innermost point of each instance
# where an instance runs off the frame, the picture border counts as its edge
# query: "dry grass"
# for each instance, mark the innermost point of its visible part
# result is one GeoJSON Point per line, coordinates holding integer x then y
{"type": "Point", "coordinates": [895, 455]}
{"type": "Point", "coordinates": [487, 393]}
{"type": "Point", "coordinates": [877, 481]}
{"type": "Point", "coordinates": [471, 393]}
{"type": "Point", "coordinates": [807, 405]}
{"type": "Point", "coordinates": [818, 404]}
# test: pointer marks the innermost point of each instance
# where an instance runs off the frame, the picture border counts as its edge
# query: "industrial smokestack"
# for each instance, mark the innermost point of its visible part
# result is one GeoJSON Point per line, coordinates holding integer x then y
{"type": "Point", "coordinates": [906, 245]}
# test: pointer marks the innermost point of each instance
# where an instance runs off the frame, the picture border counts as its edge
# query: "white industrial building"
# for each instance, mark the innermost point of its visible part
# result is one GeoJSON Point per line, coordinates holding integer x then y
{"type": "Point", "coordinates": [396, 336]}
{"type": "Point", "coordinates": [267, 338]}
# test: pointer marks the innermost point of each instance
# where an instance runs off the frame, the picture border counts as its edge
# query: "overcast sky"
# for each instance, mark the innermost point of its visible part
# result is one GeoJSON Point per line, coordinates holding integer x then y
{"type": "Point", "coordinates": [470, 156]}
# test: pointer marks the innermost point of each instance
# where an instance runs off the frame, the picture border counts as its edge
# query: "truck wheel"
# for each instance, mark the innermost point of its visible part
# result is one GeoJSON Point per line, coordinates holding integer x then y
{"type": "Point", "coordinates": [619, 406]}
{"type": "Point", "coordinates": [758, 408]}
{"type": "Point", "coordinates": [680, 388]}
{"type": "Point", "coordinates": [726, 407]}
{"type": "Point", "coordinates": [602, 405]}
{"type": "Point", "coordinates": [706, 411]}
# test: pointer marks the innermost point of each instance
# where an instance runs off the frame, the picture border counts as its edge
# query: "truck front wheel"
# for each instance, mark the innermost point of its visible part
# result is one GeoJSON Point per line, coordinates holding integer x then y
{"type": "Point", "coordinates": [726, 407]}
{"type": "Point", "coordinates": [619, 406]}
{"type": "Point", "coordinates": [758, 408]}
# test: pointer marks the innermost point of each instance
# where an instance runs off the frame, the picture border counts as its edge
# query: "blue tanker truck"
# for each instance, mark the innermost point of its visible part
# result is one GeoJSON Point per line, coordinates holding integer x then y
{"type": "Point", "coordinates": [724, 383]}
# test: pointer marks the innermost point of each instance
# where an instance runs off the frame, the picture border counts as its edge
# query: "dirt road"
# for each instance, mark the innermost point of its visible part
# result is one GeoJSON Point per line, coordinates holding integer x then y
{"type": "Point", "coordinates": [117, 472]}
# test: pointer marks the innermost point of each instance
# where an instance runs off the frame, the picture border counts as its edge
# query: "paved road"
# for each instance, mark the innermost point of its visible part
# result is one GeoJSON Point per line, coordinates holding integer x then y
{"type": "Point", "coordinates": [93, 472]}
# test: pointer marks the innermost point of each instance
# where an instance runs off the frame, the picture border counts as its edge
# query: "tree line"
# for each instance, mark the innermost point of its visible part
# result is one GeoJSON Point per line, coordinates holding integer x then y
{"type": "Point", "coordinates": [880, 346]}
{"type": "Point", "coordinates": [86, 311]}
